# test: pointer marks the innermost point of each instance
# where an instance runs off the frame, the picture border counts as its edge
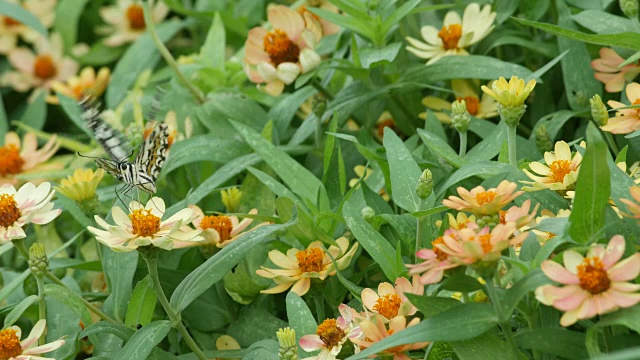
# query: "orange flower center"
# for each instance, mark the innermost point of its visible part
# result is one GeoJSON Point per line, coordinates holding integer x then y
{"type": "Point", "coordinates": [9, 211]}
{"type": "Point", "coordinates": [10, 160]}
{"type": "Point", "coordinates": [44, 68]}
{"type": "Point", "coordinates": [135, 15]}
{"type": "Point", "coordinates": [441, 255]}
{"type": "Point", "coordinates": [485, 242]}
{"type": "Point", "coordinates": [390, 123]}
{"type": "Point", "coordinates": [310, 260]}
{"type": "Point", "coordinates": [280, 48]}
{"type": "Point", "coordinates": [144, 223]}
{"type": "Point", "coordinates": [330, 334]}
{"type": "Point", "coordinates": [472, 104]}
{"type": "Point", "coordinates": [220, 223]}
{"type": "Point", "coordinates": [8, 21]}
{"type": "Point", "coordinates": [485, 197]}
{"type": "Point", "coordinates": [503, 215]}
{"type": "Point", "coordinates": [559, 169]}
{"type": "Point", "coordinates": [388, 305]}
{"type": "Point", "coordinates": [450, 36]}
{"type": "Point", "coordinates": [637, 102]}
{"type": "Point", "coordinates": [593, 277]}
{"type": "Point", "coordinates": [9, 344]}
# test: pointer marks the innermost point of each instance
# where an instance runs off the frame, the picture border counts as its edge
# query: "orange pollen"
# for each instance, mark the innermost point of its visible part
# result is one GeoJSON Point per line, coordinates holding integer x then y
{"type": "Point", "coordinates": [503, 215]}
{"type": "Point", "coordinates": [44, 67]}
{"type": "Point", "coordinates": [560, 169]}
{"type": "Point", "coordinates": [220, 223]}
{"type": "Point", "coordinates": [310, 260]}
{"type": "Point", "coordinates": [472, 104]}
{"type": "Point", "coordinates": [388, 305]}
{"type": "Point", "coordinates": [485, 197]}
{"type": "Point", "coordinates": [485, 242]}
{"type": "Point", "coordinates": [441, 255]}
{"type": "Point", "coordinates": [10, 160]}
{"type": "Point", "coordinates": [9, 344]}
{"type": "Point", "coordinates": [135, 15]}
{"type": "Point", "coordinates": [330, 334]}
{"type": "Point", "coordinates": [9, 21]}
{"type": "Point", "coordinates": [144, 223]}
{"type": "Point", "coordinates": [280, 48]}
{"type": "Point", "coordinates": [593, 277]}
{"type": "Point", "coordinates": [637, 102]}
{"type": "Point", "coordinates": [9, 211]}
{"type": "Point", "coordinates": [450, 36]}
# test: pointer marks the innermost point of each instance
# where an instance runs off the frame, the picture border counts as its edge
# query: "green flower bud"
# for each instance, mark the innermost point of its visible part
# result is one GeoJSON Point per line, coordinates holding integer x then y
{"type": "Point", "coordinates": [511, 114]}
{"type": "Point", "coordinates": [367, 213]}
{"type": "Point", "coordinates": [319, 104]}
{"type": "Point", "coordinates": [38, 260]}
{"type": "Point", "coordinates": [598, 110]}
{"type": "Point", "coordinates": [629, 8]}
{"type": "Point", "coordinates": [460, 117]}
{"type": "Point", "coordinates": [288, 347]}
{"type": "Point", "coordinates": [543, 139]}
{"type": "Point", "coordinates": [424, 188]}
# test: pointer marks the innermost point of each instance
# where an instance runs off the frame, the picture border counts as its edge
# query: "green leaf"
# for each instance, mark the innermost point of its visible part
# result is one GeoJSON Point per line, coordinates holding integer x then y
{"type": "Point", "coordinates": [213, 49]}
{"type": "Point", "coordinates": [555, 341]}
{"type": "Point", "coordinates": [4, 122]}
{"type": "Point", "coordinates": [144, 340]}
{"type": "Point", "coordinates": [440, 147]}
{"type": "Point", "coordinates": [300, 318]}
{"type": "Point", "coordinates": [593, 189]}
{"type": "Point", "coordinates": [461, 282]}
{"type": "Point", "coordinates": [626, 354]}
{"type": "Point", "coordinates": [140, 56]}
{"type": "Point", "coordinates": [482, 169]}
{"type": "Point", "coordinates": [119, 269]}
{"type": "Point", "coordinates": [203, 148]}
{"type": "Point", "coordinates": [66, 21]}
{"type": "Point", "coordinates": [19, 309]}
{"type": "Point", "coordinates": [362, 27]}
{"type": "Point", "coordinates": [602, 22]}
{"type": "Point", "coordinates": [22, 15]}
{"type": "Point", "coordinates": [11, 287]}
{"type": "Point", "coordinates": [214, 269]}
{"type": "Point", "coordinates": [101, 54]}
{"type": "Point", "coordinates": [375, 244]}
{"type": "Point", "coordinates": [104, 327]}
{"type": "Point", "coordinates": [142, 304]}
{"type": "Point", "coordinates": [398, 15]}
{"type": "Point", "coordinates": [524, 286]}
{"type": "Point", "coordinates": [629, 317]}
{"type": "Point", "coordinates": [71, 108]}
{"type": "Point", "coordinates": [370, 56]}
{"type": "Point", "coordinates": [431, 306]}
{"type": "Point", "coordinates": [305, 229]}
{"type": "Point", "coordinates": [36, 112]}
{"type": "Point", "coordinates": [404, 172]}
{"type": "Point", "coordinates": [487, 346]}
{"type": "Point", "coordinates": [70, 299]}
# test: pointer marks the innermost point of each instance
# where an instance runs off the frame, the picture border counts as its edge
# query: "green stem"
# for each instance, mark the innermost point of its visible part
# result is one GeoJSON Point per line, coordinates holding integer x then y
{"type": "Point", "coordinates": [152, 265]}
{"type": "Point", "coordinates": [322, 90]}
{"type": "Point", "coordinates": [612, 143]}
{"type": "Point", "coordinates": [466, 298]}
{"type": "Point", "coordinates": [195, 92]}
{"type": "Point", "coordinates": [463, 144]}
{"type": "Point", "coordinates": [503, 318]}
{"type": "Point", "coordinates": [42, 304]}
{"type": "Point", "coordinates": [511, 142]}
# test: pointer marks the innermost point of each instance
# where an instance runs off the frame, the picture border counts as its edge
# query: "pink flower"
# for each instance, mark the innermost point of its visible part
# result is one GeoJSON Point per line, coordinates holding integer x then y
{"type": "Point", "coordinates": [608, 72]}
{"type": "Point", "coordinates": [519, 215]}
{"type": "Point", "coordinates": [626, 120]}
{"type": "Point", "coordinates": [374, 330]}
{"type": "Point", "coordinates": [437, 261]}
{"type": "Point", "coordinates": [468, 246]}
{"type": "Point", "coordinates": [483, 202]}
{"type": "Point", "coordinates": [30, 204]}
{"type": "Point", "coordinates": [276, 58]}
{"type": "Point", "coordinates": [390, 301]}
{"type": "Point", "coordinates": [594, 285]}
{"type": "Point", "coordinates": [331, 335]}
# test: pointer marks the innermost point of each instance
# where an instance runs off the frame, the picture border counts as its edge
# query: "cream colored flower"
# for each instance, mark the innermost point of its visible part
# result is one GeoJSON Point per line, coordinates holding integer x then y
{"type": "Point", "coordinates": [18, 157]}
{"type": "Point", "coordinates": [275, 58]}
{"type": "Point", "coordinates": [143, 226]}
{"type": "Point", "coordinates": [221, 230]}
{"type": "Point", "coordinates": [11, 29]}
{"type": "Point", "coordinates": [560, 172]}
{"type": "Point", "coordinates": [76, 87]}
{"type": "Point", "coordinates": [27, 349]}
{"type": "Point", "coordinates": [483, 202]}
{"type": "Point", "coordinates": [298, 267]}
{"type": "Point", "coordinates": [626, 120]}
{"type": "Point", "coordinates": [125, 20]}
{"type": "Point", "coordinates": [81, 185]}
{"type": "Point", "coordinates": [482, 108]}
{"type": "Point", "coordinates": [30, 204]}
{"type": "Point", "coordinates": [41, 68]}
{"type": "Point", "coordinates": [390, 301]}
{"type": "Point", "coordinates": [455, 35]}
{"type": "Point", "coordinates": [512, 93]}
{"type": "Point", "coordinates": [610, 74]}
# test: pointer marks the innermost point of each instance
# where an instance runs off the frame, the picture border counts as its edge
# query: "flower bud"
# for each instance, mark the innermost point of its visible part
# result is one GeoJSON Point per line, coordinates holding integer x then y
{"type": "Point", "coordinates": [543, 139]}
{"type": "Point", "coordinates": [424, 188]}
{"type": "Point", "coordinates": [231, 199]}
{"type": "Point", "coordinates": [288, 347]}
{"type": "Point", "coordinates": [511, 114]}
{"type": "Point", "coordinates": [460, 117]}
{"type": "Point", "coordinates": [38, 260]}
{"type": "Point", "coordinates": [367, 213]}
{"type": "Point", "coordinates": [629, 8]}
{"type": "Point", "coordinates": [598, 110]}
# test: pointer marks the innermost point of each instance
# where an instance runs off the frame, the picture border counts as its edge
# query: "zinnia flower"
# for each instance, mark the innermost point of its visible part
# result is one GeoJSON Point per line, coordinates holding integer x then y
{"type": "Point", "coordinates": [41, 68]}
{"type": "Point", "coordinates": [126, 20]}
{"type": "Point", "coordinates": [460, 221]}
{"type": "Point", "coordinates": [144, 226]}
{"type": "Point", "coordinates": [220, 230]}
{"type": "Point", "coordinates": [626, 120]}
{"type": "Point", "coordinates": [512, 93]}
{"type": "Point", "coordinates": [298, 267]}
{"type": "Point", "coordinates": [30, 204]}
{"type": "Point", "coordinates": [11, 348]}
{"type": "Point", "coordinates": [594, 285]}
{"type": "Point", "coordinates": [519, 215]}
{"type": "Point", "coordinates": [610, 74]}
{"type": "Point", "coordinates": [390, 301]}
{"type": "Point", "coordinates": [483, 202]}
{"type": "Point", "coordinates": [20, 158]}
{"type": "Point", "coordinates": [76, 87]}
{"type": "Point", "coordinates": [374, 330]}
{"type": "Point", "coordinates": [331, 335]}
{"type": "Point", "coordinates": [436, 262]}
{"type": "Point", "coordinates": [11, 29]}
{"type": "Point", "coordinates": [468, 246]}
{"type": "Point", "coordinates": [560, 172]}
{"type": "Point", "coordinates": [82, 185]}
{"type": "Point", "coordinates": [484, 108]}
{"type": "Point", "coordinates": [277, 57]}
{"type": "Point", "coordinates": [456, 34]}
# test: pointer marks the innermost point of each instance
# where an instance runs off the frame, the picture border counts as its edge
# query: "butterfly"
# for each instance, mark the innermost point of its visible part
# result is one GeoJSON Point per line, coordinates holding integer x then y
{"type": "Point", "coordinates": [143, 172]}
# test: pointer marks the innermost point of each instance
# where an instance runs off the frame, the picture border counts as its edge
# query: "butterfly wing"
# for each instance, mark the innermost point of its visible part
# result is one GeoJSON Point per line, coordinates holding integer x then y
{"type": "Point", "coordinates": [109, 166]}
{"type": "Point", "coordinates": [111, 140]}
{"type": "Point", "coordinates": [154, 151]}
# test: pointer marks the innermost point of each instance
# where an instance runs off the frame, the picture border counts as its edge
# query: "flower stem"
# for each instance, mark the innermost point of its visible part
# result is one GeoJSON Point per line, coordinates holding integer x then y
{"type": "Point", "coordinates": [503, 318]}
{"type": "Point", "coordinates": [612, 143]}
{"type": "Point", "coordinates": [321, 89]}
{"type": "Point", "coordinates": [152, 265]}
{"type": "Point", "coordinates": [511, 142]}
{"type": "Point", "coordinates": [463, 144]}
{"type": "Point", "coordinates": [195, 92]}
{"type": "Point", "coordinates": [42, 305]}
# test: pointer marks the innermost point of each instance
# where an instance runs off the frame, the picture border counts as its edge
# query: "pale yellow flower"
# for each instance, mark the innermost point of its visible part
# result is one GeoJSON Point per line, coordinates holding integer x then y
{"type": "Point", "coordinates": [27, 349]}
{"type": "Point", "coordinates": [125, 20]}
{"type": "Point", "coordinates": [626, 120]}
{"type": "Point", "coordinates": [560, 172]}
{"type": "Point", "coordinates": [483, 202]}
{"type": "Point", "coordinates": [221, 230]}
{"type": "Point", "coordinates": [81, 185]}
{"type": "Point", "coordinates": [482, 108]}
{"type": "Point", "coordinates": [512, 93]}
{"type": "Point", "coordinates": [77, 86]}
{"type": "Point", "coordinates": [24, 157]}
{"type": "Point", "coordinates": [11, 29]}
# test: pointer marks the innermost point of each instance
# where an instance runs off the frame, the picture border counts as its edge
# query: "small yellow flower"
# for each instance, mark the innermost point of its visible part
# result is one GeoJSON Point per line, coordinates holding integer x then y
{"type": "Point", "coordinates": [560, 172]}
{"type": "Point", "coordinates": [81, 185]}
{"type": "Point", "coordinates": [512, 93]}
{"type": "Point", "coordinates": [482, 108]}
{"type": "Point", "coordinates": [77, 86]}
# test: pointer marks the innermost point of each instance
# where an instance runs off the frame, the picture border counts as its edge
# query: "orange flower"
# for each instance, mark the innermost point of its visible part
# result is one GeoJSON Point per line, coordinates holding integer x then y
{"type": "Point", "coordinates": [610, 74]}
{"type": "Point", "coordinates": [78, 86]}
{"type": "Point", "coordinates": [468, 246]}
{"type": "Point", "coordinates": [519, 215]}
{"type": "Point", "coordinates": [374, 330]}
{"type": "Point", "coordinates": [221, 230]}
{"type": "Point", "coordinates": [390, 301]}
{"type": "Point", "coordinates": [483, 202]}
{"type": "Point", "coordinates": [20, 158]}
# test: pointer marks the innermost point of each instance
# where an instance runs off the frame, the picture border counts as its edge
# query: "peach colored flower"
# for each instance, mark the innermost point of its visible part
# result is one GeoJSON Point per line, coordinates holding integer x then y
{"type": "Point", "coordinates": [374, 330]}
{"type": "Point", "coordinates": [594, 285]}
{"type": "Point", "coordinates": [27, 349]}
{"type": "Point", "coordinates": [610, 74]}
{"type": "Point", "coordinates": [76, 87]}
{"type": "Point", "coordinates": [275, 58]}
{"type": "Point", "coordinates": [331, 335]}
{"type": "Point", "coordinates": [468, 246]}
{"type": "Point", "coordinates": [325, 27]}
{"type": "Point", "coordinates": [626, 120]}
{"type": "Point", "coordinates": [125, 20]}
{"type": "Point", "coordinates": [11, 29]}
{"type": "Point", "coordinates": [30, 204]}
{"type": "Point", "coordinates": [560, 172]}
{"type": "Point", "coordinates": [24, 157]}
{"type": "Point", "coordinates": [483, 202]}
{"type": "Point", "coordinates": [435, 264]}
{"type": "Point", "coordinates": [41, 68]}
{"type": "Point", "coordinates": [519, 215]}
{"type": "Point", "coordinates": [456, 34]}
{"type": "Point", "coordinates": [298, 267]}
{"type": "Point", "coordinates": [633, 206]}
{"type": "Point", "coordinates": [390, 301]}
{"type": "Point", "coordinates": [484, 107]}
{"type": "Point", "coordinates": [221, 230]}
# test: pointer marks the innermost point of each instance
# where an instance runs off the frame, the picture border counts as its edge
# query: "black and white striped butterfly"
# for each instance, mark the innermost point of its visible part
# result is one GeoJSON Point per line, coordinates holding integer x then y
{"type": "Point", "coordinates": [143, 172]}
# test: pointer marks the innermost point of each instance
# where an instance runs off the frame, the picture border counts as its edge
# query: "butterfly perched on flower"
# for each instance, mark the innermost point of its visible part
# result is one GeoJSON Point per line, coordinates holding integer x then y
{"type": "Point", "coordinates": [143, 172]}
